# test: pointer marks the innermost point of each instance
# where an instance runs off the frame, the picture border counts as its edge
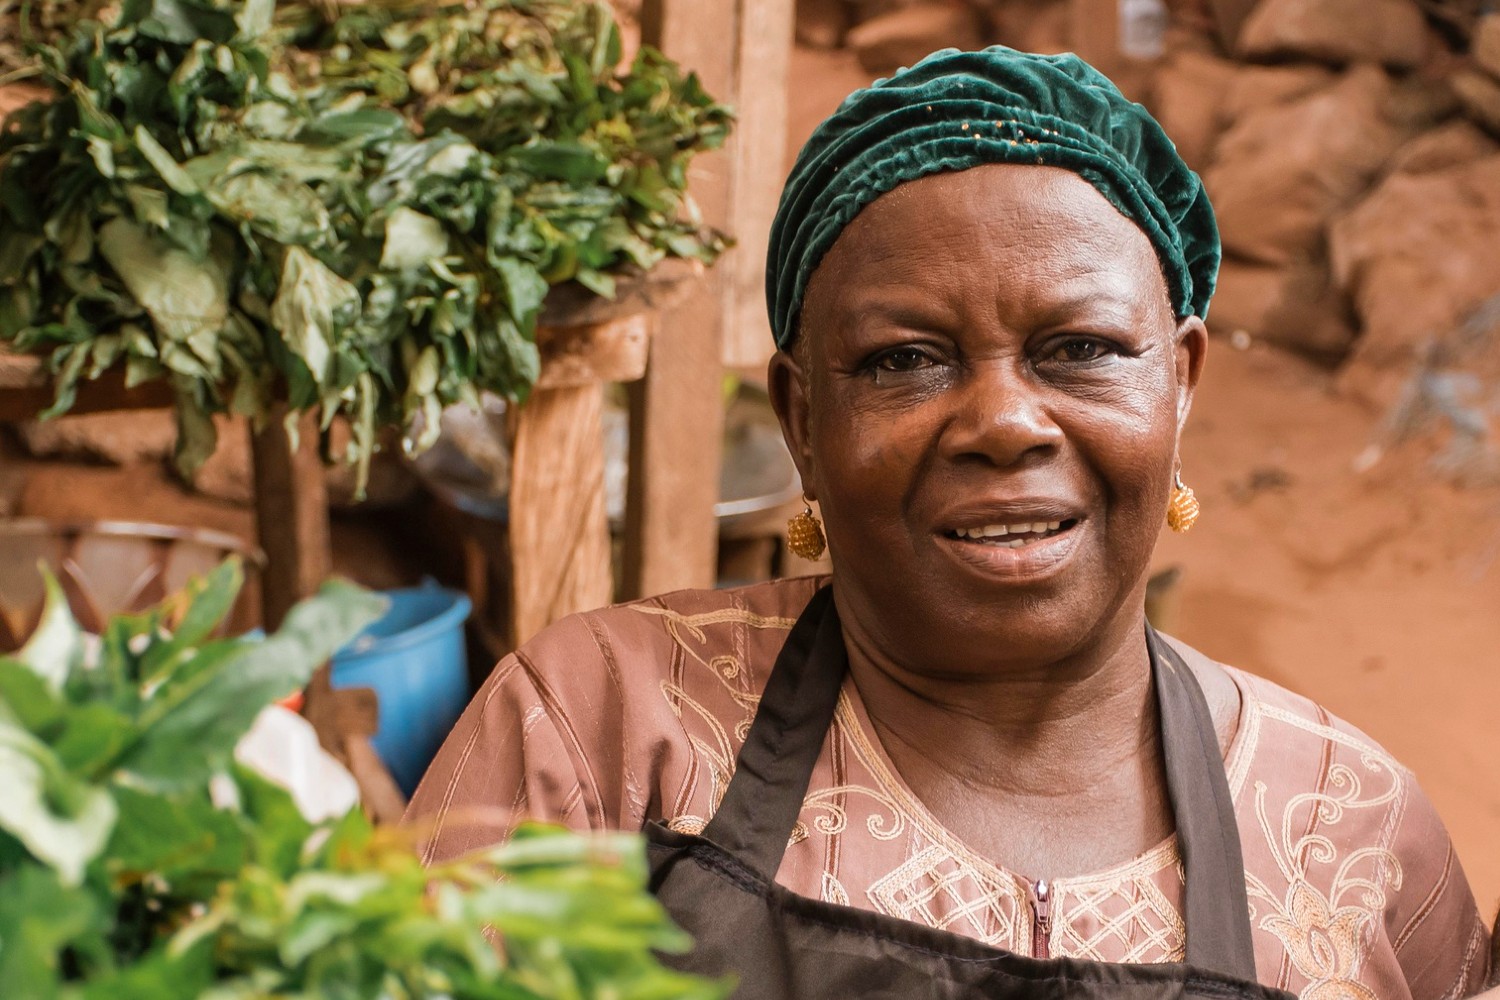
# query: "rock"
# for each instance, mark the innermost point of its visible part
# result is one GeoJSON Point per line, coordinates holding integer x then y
{"type": "Point", "coordinates": [1256, 87]}
{"type": "Point", "coordinates": [1449, 145]}
{"type": "Point", "coordinates": [1415, 257]}
{"type": "Point", "coordinates": [1186, 99]}
{"type": "Point", "coordinates": [1030, 25]}
{"type": "Point", "coordinates": [901, 37]}
{"type": "Point", "coordinates": [1392, 32]}
{"type": "Point", "coordinates": [1295, 306]}
{"type": "Point", "coordinates": [1479, 94]}
{"type": "Point", "coordinates": [821, 24]}
{"type": "Point", "coordinates": [1282, 172]}
{"type": "Point", "coordinates": [1486, 45]}
{"type": "Point", "coordinates": [1229, 20]}
{"type": "Point", "coordinates": [113, 438]}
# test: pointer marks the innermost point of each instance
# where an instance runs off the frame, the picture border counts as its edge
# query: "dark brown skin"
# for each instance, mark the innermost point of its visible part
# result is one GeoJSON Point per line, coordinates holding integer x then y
{"type": "Point", "coordinates": [998, 346]}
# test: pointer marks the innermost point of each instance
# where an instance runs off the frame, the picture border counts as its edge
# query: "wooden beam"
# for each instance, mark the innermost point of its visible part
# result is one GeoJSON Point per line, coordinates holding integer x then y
{"type": "Point", "coordinates": [26, 389]}
{"type": "Point", "coordinates": [291, 514]}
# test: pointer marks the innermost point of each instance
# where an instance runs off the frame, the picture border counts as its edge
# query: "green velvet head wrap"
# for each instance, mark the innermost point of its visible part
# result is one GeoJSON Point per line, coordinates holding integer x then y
{"type": "Point", "coordinates": [955, 110]}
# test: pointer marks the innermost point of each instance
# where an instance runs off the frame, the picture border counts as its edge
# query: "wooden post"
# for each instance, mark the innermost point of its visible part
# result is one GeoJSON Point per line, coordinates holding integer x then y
{"type": "Point", "coordinates": [762, 60]}
{"type": "Point", "coordinates": [291, 514]}
{"type": "Point", "coordinates": [740, 49]}
{"type": "Point", "coordinates": [559, 534]}
{"type": "Point", "coordinates": [558, 539]}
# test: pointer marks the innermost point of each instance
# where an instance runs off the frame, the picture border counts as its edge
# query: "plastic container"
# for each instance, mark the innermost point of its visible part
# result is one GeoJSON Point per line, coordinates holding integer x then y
{"type": "Point", "coordinates": [414, 659]}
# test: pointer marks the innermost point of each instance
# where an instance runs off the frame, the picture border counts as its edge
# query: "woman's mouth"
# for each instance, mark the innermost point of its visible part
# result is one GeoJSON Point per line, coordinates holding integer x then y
{"type": "Point", "coordinates": [1012, 536]}
{"type": "Point", "coordinates": [1014, 552]}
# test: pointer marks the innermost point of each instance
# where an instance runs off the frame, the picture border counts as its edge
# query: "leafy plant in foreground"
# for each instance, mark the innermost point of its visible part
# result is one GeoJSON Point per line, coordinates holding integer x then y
{"type": "Point", "coordinates": [139, 860]}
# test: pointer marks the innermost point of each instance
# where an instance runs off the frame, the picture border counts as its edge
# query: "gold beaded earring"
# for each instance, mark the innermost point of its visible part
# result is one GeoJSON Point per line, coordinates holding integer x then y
{"type": "Point", "coordinates": [1182, 509]}
{"type": "Point", "coordinates": [804, 533]}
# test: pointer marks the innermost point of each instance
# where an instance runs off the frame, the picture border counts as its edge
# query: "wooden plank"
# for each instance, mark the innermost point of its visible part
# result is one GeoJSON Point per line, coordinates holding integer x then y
{"type": "Point", "coordinates": [559, 534]}
{"type": "Point", "coordinates": [758, 145]}
{"type": "Point", "coordinates": [291, 514]}
{"type": "Point", "coordinates": [26, 390]}
{"type": "Point", "coordinates": [677, 412]}
{"type": "Point", "coordinates": [613, 351]}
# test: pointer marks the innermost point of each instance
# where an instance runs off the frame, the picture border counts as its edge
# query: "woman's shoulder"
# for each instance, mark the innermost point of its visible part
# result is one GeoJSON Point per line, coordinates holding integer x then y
{"type": "Point", "coordinates": [648, 636]}
{"type": "Point", "coordinates": [1339, 838]}
{"type": "Point", "coordinates": [1299, 729]}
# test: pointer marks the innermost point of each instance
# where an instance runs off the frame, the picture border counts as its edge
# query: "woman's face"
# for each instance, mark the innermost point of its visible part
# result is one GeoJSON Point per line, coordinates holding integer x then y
{"type": "Point", "coordinates": [986, 400]}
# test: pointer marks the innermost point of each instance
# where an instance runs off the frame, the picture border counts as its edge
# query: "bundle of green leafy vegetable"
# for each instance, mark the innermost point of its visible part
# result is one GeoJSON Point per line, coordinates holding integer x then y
{"type": "Point", "coordinates": [139, 861]}
{"type": "Point", "coordinates": [358, 214]}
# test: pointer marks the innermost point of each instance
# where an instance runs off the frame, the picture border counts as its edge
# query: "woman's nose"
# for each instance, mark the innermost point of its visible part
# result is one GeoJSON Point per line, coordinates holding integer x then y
{"type": "Point", "coordinates": [999, 416]}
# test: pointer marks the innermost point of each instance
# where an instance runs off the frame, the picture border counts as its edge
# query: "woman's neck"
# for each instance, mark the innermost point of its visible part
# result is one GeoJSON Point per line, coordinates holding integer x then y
{"type": "Point", "coordinates": [1047, 730]}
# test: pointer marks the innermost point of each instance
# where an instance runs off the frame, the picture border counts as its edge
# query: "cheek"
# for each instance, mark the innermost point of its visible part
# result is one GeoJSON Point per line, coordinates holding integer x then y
{"type": "Point", "coordinates": [1128, 434]}
{"type": "Point", "coordinates": [865, 450]}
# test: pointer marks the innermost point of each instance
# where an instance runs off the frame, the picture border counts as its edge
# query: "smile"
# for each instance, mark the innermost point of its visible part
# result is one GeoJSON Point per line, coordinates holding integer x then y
{"type": "Point", "coordinates": [1014, 552]}
{"type": "Point", "coordinates": [1012, 536]}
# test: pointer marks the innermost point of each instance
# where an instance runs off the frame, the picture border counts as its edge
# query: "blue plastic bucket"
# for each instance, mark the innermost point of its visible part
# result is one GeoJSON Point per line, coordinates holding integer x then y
{"type": "Point", "coordinates": [413, 657]}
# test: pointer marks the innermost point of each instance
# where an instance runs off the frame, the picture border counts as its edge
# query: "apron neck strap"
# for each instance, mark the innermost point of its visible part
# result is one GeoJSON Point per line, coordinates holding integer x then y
{"type": "Point", "coordinates": [1216, 910]}
{"type": "Point", "coordinates": [760, 808]}
{"type": "Point", "coordinates": [755, 819]}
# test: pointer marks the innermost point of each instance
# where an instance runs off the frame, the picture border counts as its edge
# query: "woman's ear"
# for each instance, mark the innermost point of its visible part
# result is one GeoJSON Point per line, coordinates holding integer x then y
{"type": "Point", "coordinates": [1190, 348]}
{"type": "Point", "coordinates": [788, 386]}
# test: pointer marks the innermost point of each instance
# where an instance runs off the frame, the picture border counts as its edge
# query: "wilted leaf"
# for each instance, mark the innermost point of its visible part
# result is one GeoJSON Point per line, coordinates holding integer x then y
{"type": "Point", "coordinates": [412, 240]}
{"type": "Point", "coordinates": [311, 305]}
{"type": "Point", "coordinates": [184, 297]}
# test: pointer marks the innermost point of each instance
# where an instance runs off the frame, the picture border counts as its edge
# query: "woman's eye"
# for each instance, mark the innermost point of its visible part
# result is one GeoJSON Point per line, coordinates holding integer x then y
{"type": "Point", "coordinates": [1081, 350]}
{"type": "Point", "coordinates": [902, 359]}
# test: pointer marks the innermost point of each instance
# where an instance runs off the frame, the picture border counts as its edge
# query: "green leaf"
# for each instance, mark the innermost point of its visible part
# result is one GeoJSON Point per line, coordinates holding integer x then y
{"type": "Point", "coordinates": [282, 208]}
{"type": "Point", "coordinates": [39, 916]}
{"type": "Point", "coordinates": [180, 21]}
{"type": "Point", "coordinates": [412, 240]}
{"type": "Point", "coordinates": [55, 649]}
{"type": "Point", "coordinates": [204, 603]}
{"type": "Point", "coordinates": [525, 289]}
{"type": "Point", "coordinates": [61, 820]}
{"type": "Point", "coordinates": [26, 698]}
{"type": "Point", "coordinates": [191, 724]}
{"type": "Point", "coordinates": [367, 124]}
{"type": "Point", "coordinates": [311, 305]}
{"type": "Point", "coordinates": [181, 839]}
{"type": "Point", "coordinates": [563, 161]}
{"type": "Point", "coordinates": [91, 739]}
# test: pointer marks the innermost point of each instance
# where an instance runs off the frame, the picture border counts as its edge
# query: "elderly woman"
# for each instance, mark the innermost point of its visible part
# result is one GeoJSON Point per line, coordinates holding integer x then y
{"type": "Point", "coordinates": [965, 766]}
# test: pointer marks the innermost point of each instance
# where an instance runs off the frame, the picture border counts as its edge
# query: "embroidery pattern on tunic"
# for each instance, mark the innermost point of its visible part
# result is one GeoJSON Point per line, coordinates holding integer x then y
{"type": "Point", "coordinates": [716, 750]}
{"type": "Point", "coordinates": [937, 888]}
{"type": "Point", "coordinates": [1327, 935]}
{"type": "Point", "coordinates": [1123, 917]}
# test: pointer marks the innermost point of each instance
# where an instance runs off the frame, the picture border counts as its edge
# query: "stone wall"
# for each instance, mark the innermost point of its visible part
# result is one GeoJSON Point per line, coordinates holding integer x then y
{"type": "Point", "coordinates": [1352, 150]}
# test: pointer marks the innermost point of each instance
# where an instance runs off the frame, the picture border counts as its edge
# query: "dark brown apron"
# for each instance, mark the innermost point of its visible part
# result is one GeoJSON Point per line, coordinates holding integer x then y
{"type": "Point", "coordinates": [721, 887]}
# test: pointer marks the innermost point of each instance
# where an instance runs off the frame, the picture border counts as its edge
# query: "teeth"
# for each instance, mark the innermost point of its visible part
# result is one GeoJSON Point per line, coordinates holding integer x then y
{"type": "Point", "coordinates": [1001, 530]}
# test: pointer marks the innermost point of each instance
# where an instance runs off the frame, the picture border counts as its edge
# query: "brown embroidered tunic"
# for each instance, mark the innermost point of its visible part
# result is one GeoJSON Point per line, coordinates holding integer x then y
{"type": "Point", "coordinates": [637, 712]}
